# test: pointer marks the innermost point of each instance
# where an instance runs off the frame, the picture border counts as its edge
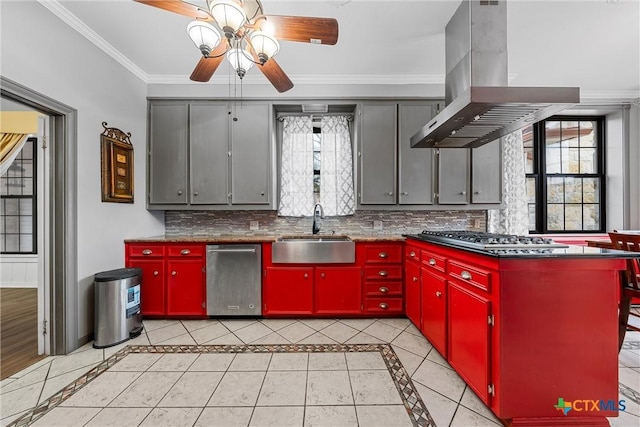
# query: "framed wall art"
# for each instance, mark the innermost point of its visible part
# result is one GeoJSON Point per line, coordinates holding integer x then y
{"type": "Point", "coordinates": [116, 164]}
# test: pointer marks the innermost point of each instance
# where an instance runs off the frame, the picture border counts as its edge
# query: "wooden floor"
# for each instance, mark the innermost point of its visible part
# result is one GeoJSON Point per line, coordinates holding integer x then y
{"type": "Point", "coordinates": [18, 329]}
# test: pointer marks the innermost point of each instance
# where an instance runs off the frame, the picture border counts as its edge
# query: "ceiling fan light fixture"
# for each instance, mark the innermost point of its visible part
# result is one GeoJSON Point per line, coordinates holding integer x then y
{"type": "Point", "coordinates": [204, 36]}
{"type": "Point", "coordinates": [229, 15]}
{"type": "Point", "coordinates": [264, 45]}
{"type": "Point", "coordinates": [239, 59]}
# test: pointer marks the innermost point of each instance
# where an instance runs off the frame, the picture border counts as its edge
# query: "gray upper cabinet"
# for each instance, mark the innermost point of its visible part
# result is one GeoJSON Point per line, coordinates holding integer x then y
{"type": "Point", "coordinates": [209, 153]}
{"type": "Point", "coordinates": [250, 155]}
{"type": "Point", "coordinates": [486, 173]}
{"type": "Point", "coordinates": [453, 176]}
{"type": "Point", "coordinates": [378, 155]}
{"type": "Point", "coordinates": [168, 153]}
{"type": "Point", "coordinates": [416, 165]}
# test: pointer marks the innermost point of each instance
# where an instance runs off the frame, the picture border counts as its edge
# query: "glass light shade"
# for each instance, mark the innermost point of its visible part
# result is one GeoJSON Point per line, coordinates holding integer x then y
{"type": "Point", "coordinates": [228, 14]}
{"type": "Point", "coordinates": [239, 59]}
{"type": "Point", "coordinates": [204, 36]}
{"type": "Point", "coordinates": [265, 46]}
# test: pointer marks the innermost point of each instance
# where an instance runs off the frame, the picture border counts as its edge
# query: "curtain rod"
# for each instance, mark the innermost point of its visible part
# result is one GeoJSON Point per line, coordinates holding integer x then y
{"type": "Point", "coordinates": [314, 116]}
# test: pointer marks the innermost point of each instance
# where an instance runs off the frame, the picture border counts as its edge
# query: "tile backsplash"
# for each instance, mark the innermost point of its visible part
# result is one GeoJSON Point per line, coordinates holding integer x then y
{"type": "Point", "coordinates": [211, 223]}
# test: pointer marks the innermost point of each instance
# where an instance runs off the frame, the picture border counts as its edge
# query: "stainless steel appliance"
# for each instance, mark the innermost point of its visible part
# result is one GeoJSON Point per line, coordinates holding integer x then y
{"type": "Point", "coordinates": [234, 286]}
{"type": "Point", "coordinates": [491, 242]}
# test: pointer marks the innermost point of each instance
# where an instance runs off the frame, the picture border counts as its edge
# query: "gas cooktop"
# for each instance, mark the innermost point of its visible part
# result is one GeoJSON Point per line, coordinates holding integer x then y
{"type": "Point", "coordinates": [489, 241]}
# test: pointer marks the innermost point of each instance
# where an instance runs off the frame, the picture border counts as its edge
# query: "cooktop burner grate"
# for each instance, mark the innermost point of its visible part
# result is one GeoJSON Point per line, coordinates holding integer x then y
{"type": "Point", "coordinates": [483, 240]}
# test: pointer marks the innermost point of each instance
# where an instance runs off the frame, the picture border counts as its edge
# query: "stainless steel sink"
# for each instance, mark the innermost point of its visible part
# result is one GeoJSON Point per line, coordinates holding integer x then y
{"type": "Point", "coordinates": [305, 249]}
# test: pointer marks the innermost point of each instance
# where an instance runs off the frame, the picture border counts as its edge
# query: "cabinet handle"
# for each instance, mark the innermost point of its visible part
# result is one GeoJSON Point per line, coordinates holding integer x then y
{"type": "Point", "coordinates": [179, 192]}
{"type": "Point", "coordinates": [390, 193]}
{"type": "Point", "coordinates": [173, 273]}
{"type": "Point", "coordinates": [412, 254]}
{"type": "Point", "coordinates": [155, 273]}
{"type": "Point", "coordinates": [185, 252]}
{"type": "Point", "coordinates": [466, 275]}
{"type": "Point", "coordinates": [147, 252]}
{"type": "Point", "coordinates": [464, 193]}
{"type": "Point", "coordinates": [477, 192]}
{"type": "Point", "coordinates": [415, 279]}
{"type": "Point", "coordinates": [262, 193]}
{"type": "Point", "coordinates": [383, 289]}
{"type": "Point", "coordinates": [438, 294]}
{"type": "Point", "coordinates": [306, 275]}
{"type": "Point", "coordinates": [405, 193]}
{"type": "Point", "coordinates": [383, 305]}
{"type": "Point", "coordinates": [383, 273]}
{"type": "Point", "coordinates": [195, 194]}
{"type": "Point", "coordinates": [432, 261]}
{"type": "Point", "coordinates": [322, 275]}
{"type": "Point", "coordinates": [383, 255]}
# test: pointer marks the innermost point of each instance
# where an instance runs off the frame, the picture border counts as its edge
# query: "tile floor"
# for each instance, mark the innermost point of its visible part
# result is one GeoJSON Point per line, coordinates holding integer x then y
{"type": "Point", "coordinates": [114, 396]}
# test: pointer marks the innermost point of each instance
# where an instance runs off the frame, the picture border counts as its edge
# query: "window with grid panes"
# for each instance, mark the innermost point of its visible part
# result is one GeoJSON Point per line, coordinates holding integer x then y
{"type": "Point", "coordinates": [565, 174]}
{"type": "Point", "coordinates": [18, 203]}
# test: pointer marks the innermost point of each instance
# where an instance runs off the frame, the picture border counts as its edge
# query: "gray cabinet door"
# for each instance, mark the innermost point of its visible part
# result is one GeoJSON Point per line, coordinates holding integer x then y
{"type": "Point", "coordinates": [209, 153]}
{"type": "Point", "coordinates": [453, 176]}
{"type": "Point", "coordinates": [378, 155]}
{"type": "Point", "coordinates": [168, 153]}
{"type": "Point", "coordinates": [486, 173]}
{"type": "Point", "coordinates": [250, 154]}
{"type": "Point", "coordinates": [415, 164]}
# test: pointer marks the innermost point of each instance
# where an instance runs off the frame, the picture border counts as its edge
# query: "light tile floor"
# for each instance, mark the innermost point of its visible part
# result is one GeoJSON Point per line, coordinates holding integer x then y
{"type": "Point", "coordinates": [449, 401]}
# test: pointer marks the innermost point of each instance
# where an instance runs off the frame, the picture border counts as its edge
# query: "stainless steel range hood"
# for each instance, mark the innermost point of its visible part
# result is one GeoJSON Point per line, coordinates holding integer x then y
{"type": "Point", "coordinates": [480, 107]}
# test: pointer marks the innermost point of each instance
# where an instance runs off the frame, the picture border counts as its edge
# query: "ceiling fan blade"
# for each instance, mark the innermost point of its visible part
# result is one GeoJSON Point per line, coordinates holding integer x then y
{"type": "Point", "coordinates": [207, 66]}
{"type": "Point", "coordinates": [276, 75]}
{"type": "Point", "coordinates": [179, 7]}
{"type": "Point", "coordinates": [303, 29]}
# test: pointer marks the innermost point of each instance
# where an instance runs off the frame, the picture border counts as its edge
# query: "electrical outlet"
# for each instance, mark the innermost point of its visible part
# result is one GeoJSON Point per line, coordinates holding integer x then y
{"type": "Point", "coordinates": [254, 225]}
{"type": "Point", "coordinates": [476, 223]}
{"type": "Point", "coordinates": [377, 225]}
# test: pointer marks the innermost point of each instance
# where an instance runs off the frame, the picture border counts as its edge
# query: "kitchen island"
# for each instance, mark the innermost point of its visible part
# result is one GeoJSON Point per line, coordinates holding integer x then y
{"type": "Point", "coordinates": [532, 332]}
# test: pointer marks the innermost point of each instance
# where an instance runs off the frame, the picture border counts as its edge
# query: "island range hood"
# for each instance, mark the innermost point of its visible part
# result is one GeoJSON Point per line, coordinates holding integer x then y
{"type": "Point", "coordinates": [479, 106]}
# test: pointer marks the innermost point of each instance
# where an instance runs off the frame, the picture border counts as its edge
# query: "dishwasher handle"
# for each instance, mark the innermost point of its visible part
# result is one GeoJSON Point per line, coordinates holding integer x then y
{"type": "Point", "coordinates": [246, 250]}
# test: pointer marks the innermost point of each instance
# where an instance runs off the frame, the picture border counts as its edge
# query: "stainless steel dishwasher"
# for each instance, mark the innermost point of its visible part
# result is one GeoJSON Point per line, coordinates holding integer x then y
{"type": "Point", "coordinates": [234, 286]}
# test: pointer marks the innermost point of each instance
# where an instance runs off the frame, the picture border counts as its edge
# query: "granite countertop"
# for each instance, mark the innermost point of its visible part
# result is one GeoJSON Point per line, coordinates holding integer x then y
{"type": "Point", "coordinates": [257, 238]}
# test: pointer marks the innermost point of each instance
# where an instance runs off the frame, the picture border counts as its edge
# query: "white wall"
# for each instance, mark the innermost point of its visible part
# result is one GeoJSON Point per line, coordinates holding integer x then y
{"type": "Point", "coordinates": [44, 54]}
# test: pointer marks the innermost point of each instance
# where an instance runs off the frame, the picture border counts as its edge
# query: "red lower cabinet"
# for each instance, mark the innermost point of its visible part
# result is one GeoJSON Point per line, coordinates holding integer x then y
{"type": "Point", "coordinates": [287, 291]}
{"type": "Point", "coordinates": [152, 301]}
{"type": "Point", "coordinates": [412, 298]}
{"type": "Point", "coordinates": [434, 310]}
{"type": "Point", "coordinates": [185, 288]}
{"type": "Point", "coordinates": [338, 290]}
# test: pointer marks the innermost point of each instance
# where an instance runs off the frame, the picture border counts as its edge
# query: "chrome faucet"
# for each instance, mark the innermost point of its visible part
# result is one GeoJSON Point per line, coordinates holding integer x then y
{"type": "Point", "coordinates": [318, 214]}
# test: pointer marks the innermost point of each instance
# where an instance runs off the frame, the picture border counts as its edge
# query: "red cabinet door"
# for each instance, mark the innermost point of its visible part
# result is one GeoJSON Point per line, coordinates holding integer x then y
{"type": "Point", "coordinates": [338, 290]}
{"type": "Point", "coordinates": [434, 310]}
{"type": "Point", "coordinates": [469, 337]}
{"type": "Point", "coordinates": [185, 287]}
{"type": "Point", "coordinates": [412, 293]}
{"type": "Point", "coordinates": [288, 291]}
{"type": "Point", "coordinates": [152, 292]}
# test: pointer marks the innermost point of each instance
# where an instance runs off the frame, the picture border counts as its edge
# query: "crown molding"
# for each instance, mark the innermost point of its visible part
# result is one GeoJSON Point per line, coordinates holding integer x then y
{"type": "Point", "coordinates": [72, 20]}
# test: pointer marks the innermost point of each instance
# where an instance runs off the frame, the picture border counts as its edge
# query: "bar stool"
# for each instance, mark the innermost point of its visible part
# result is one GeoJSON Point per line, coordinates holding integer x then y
{"type": "Point", "coordinates": [629, 281]}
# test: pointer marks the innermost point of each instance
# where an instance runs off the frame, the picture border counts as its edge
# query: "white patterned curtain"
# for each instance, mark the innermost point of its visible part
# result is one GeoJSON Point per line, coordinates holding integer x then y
{"type": "Point", "coordinates": [296, 176]}
{"type": "Point", "coordinates": [336, 177]}
{"type": "Point", "coordinates": [513, 218]}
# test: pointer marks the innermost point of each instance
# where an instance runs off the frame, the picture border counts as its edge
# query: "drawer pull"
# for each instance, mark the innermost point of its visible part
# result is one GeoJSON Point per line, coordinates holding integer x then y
{"type": "Point", "coordinates": [432, 261]}
{"type": "Point", "coordinates": [306, 275]}
{"type": "Point", "coordinates": [173, 273]}
{"type": "Point", "coordinates": [155, 273]}
{"type": "Point", "coordinates": [415, 279]}
{"type": "Point", "coordinates": [383, 305]}
{"type": "Point", "coordinates": [383, 273]}
{"type": "Point", "coordinates": [383, 255]}
{"type": "Point", "coordinates": [185, 252]}
{"type": "Point", "coordinates": [383, 289]}
{"type": "Point", "coordinates": [438, 294]}
{"type": "Point", "coordinates": [147, 252]}
{"type": "Point", "coordinates": [322, 275]}
{"type": "Point", "coordinates": [412, 254]}
{"type": "Point", "coordinates": [465, 275]}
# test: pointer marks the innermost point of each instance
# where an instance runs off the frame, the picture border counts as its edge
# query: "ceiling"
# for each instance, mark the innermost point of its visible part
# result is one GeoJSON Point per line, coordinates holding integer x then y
{"type": "Point", "coordinates": [593, 44]}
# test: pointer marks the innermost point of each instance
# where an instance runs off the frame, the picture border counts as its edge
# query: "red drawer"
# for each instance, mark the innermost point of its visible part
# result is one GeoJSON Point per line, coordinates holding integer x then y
{"type": "Point", "coordinates": [382, 288]}
{"type": "Point", "coordinates": [411, 252]}
{"type": "Point", "coordinates": [145, 250]}
{"type": "Point", "coordinates": [471, 275]}
{"type": "Point", "coordinates": [186, 250]}
{"type": "Point", "coordinates": [383, 305]}
{"type": "Point", "coordinates": [433, 261]}
{"type": "Point", "coordinates": [383, 272]}
{"type": "Point", "coordinates": [386, 253]}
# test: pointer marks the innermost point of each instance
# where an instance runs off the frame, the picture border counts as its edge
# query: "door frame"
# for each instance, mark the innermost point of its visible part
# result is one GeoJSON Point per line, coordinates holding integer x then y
{"type": "Point", "coordinates": [61, 254]}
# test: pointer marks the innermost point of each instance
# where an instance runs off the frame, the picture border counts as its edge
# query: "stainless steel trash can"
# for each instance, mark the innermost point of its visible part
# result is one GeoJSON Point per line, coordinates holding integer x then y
{"type": "Point", "coordinates": [117, 315]}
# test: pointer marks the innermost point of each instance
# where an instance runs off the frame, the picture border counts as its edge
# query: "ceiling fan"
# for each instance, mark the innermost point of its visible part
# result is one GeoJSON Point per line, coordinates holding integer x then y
{"type": "Point", "coordinates": [248, 36]}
